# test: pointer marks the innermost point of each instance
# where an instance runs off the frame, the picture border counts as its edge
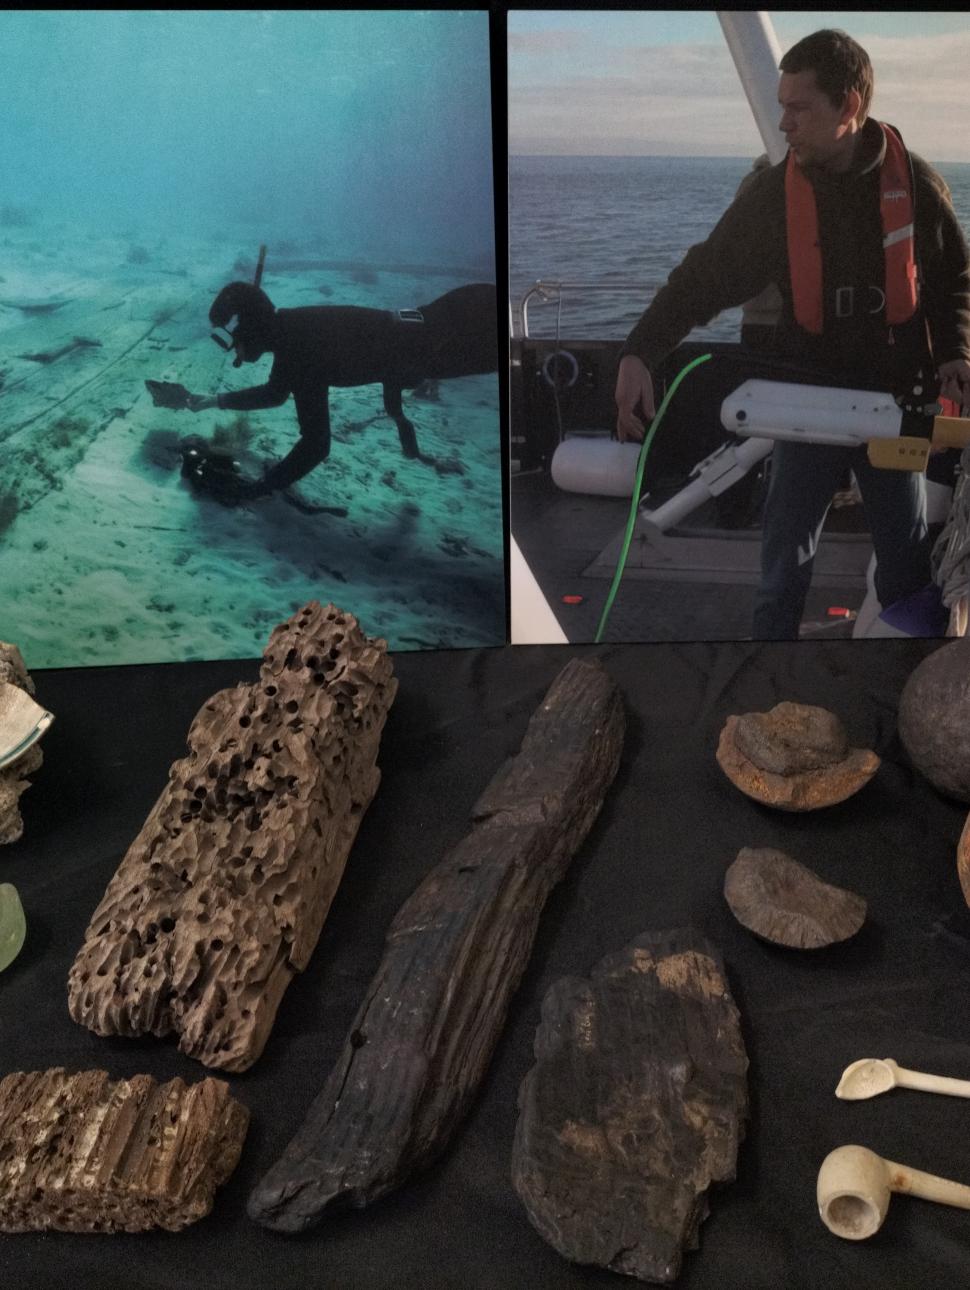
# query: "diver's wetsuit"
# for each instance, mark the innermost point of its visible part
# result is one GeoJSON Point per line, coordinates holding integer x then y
{"type": "Point", "coordinates": [319, 346]}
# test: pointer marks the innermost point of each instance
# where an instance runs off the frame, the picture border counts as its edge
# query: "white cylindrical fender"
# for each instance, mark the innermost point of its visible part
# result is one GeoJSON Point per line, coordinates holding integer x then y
{"type": "Point", "coordinates": [595, 465]}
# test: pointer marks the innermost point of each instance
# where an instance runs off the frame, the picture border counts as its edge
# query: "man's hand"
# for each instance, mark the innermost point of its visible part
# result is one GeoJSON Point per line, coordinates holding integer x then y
{"type": "Point", "coordinates": [634, 389]}
{"type": "Point", "coordinates": [200, 402]}
{"type": "Point", "coordinates": [955, 381]}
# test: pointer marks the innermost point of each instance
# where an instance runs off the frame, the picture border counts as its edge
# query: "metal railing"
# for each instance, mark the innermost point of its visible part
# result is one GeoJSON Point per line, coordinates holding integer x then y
{"type": "Point", "coordinates": [549, 292]}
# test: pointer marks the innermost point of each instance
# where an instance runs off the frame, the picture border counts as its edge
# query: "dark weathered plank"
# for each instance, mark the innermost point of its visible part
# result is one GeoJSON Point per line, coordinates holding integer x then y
{"type": "Point", "coordinates": [635, 1105]}
{"type": "Point", "coordinates": [455, 953]}
{"type": "Point", "coordinates": [81, 1153]}
{"type": "Point", "coordinates": [782, 901]}
{"type": "Point", "coordinates": [220, 899]}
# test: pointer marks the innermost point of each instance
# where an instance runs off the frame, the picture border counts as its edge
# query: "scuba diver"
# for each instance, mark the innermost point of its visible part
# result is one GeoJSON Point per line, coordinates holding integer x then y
{"type": "Point", "coordinates": [315, 347]}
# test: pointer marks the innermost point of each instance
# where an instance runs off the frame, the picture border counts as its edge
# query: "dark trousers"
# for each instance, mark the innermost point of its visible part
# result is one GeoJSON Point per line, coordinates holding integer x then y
{"type": "Point", "coordinates": [804, 478]}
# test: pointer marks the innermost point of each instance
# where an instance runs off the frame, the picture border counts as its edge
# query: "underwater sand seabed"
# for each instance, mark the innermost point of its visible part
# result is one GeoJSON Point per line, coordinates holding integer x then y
{"type": "Point", "coordinates": [106, 556]}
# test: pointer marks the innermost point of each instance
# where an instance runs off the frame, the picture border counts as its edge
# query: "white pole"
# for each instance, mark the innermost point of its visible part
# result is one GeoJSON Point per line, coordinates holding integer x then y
{"type": "Point", "coordinates": [754, 47]}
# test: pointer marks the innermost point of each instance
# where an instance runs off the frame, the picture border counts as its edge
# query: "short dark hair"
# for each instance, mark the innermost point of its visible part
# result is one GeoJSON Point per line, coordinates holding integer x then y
{"type": "Point", "coordinates": [840, 64]}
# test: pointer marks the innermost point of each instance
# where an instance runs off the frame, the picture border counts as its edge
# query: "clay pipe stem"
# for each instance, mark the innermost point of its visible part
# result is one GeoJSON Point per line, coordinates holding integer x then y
{"type": "Point", "coordinates": [854, 1187]}
{"type": "Point", "coordinates": [932, 1083]}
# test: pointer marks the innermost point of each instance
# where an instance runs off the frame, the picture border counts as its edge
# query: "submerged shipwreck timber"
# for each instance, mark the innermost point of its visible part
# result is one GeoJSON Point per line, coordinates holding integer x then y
{"type": "Point", "coordinates": [220, 900]}
{"type": "Point", "coordinates": [455, 953]}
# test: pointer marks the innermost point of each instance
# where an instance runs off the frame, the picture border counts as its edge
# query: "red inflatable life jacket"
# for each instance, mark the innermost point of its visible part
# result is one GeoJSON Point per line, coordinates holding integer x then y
{"type": "Point", "coordinates": [805, 252]}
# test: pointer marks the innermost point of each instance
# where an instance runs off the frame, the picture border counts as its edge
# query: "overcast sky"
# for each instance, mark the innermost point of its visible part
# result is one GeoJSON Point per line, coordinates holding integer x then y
{"type": "Point", "coordinates": [662, 83]}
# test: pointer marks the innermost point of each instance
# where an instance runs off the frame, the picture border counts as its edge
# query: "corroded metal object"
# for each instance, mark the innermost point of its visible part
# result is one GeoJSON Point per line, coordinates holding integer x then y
{"type": "Point", "coordinates": [782, 901]}
{"type": "Point", "coordinates": [22, 722]}
{"type": "Point", "coordinates": [455, 952]}
{"type": "Point", "coordinates": [934, 718]}
{"type": "Point", "coordinates": [795, 757]}
{"type": "Point", "coordinates": [220, 899]}
{"type": "Point", "coordinates": [636, 1104]}
{"type": "Point", "coordinates": [80, 1153]}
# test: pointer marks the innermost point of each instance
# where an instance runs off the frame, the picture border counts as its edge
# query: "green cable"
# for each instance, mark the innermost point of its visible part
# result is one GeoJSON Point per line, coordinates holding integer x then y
{"type": "Point", "coordinates": [641, 463]}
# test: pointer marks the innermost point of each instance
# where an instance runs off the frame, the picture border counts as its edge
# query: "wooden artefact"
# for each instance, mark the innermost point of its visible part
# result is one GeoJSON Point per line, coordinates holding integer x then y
{"type": "Point", "coordinates": [635, 1105]}
{"type": "Point", "coordinates": [782, 901]}
{"type": "Point", "coordinates": [870, 1076]}
{"type": "Point", "coordinates": [795, 757]}
{"type": "Point", "coordinates": [22, 722]}
{"type": "Point", "coordinates": [220, 900]}
{"type": "Point", "coordinates": [81, 1153]}
{"type": "Point", "coordinates": [934, 718]}
{"type": "Point", "coordinates": [455, 953]}
{"type": "Point", "coordinates": [855, 1185]}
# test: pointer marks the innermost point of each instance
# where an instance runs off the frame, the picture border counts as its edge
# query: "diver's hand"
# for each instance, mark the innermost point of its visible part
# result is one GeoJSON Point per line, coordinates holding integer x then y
{"type": "Point", "coordinates": [200, 402]}
{"type": "Point", "coordinates": [955, 381]}
{"type": "Point", "coordinates": [634, 389]}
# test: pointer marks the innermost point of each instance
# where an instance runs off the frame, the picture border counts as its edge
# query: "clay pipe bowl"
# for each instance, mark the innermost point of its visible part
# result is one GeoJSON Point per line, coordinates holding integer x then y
{"type": "Point", "coordinates": [873, 1075]}
{"type": "Point", "coordinates": [854, 1187]}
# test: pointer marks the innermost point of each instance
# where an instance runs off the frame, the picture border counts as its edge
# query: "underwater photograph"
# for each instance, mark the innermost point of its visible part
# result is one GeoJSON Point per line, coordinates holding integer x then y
{"type": "Point", "coordinates": [248, 337]}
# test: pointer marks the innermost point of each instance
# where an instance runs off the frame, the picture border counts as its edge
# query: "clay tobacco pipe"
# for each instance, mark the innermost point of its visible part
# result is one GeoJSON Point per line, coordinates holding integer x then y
{"type": "Point", "coordinates": [854, 1186]}
{"type": "Point", "coordinates": [872, 1075]}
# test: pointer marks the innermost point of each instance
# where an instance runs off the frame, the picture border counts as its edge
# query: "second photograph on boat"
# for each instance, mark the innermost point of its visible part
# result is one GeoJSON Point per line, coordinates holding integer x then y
{"type": "Point", "coordinates": [740, 325]}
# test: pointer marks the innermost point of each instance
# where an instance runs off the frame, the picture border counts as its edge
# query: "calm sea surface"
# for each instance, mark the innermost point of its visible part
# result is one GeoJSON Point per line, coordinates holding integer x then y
{"type": "Point", "coordinates": [623, 223]}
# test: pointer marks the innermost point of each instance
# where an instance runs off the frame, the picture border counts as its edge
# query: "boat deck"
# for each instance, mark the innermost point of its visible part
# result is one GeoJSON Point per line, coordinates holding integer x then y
{"type": "Point", "coordinates": [562, 534]}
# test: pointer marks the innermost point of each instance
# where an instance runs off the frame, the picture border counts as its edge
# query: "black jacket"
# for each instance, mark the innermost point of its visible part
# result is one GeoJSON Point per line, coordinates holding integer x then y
{"type": "Point", "coordinates": [318, 346]}
{"type": "Point", "coordinates": [747, 251]}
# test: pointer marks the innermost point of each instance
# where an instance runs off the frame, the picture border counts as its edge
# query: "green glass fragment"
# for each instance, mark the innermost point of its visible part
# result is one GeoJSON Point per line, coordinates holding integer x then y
{"type": "Point", "coordinates": [13, 925]}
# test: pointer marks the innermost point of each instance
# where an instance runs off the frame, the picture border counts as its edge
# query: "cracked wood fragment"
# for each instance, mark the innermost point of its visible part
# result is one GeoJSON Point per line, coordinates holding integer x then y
{"type": "Point", "coordinates": [455, 953]}
{"type": "Point", "coordinates": [221, 898]}
{"type": "Point", "coordinates": [635, 1105]}
{"type": "Point", "coordinates": [80, 1153]}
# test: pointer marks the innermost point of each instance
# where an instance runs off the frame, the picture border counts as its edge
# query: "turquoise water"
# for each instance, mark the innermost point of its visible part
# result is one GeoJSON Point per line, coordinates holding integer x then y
{"type": "Point", "coordinates": [145, 157]}
{"type": "Point", "coordinates": [371, 130]}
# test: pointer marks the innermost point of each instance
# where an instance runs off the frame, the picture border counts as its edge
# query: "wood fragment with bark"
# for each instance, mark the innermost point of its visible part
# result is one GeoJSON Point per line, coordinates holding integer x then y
{"type": "Point", "coordinates": [455, 953]}
{"type": "Point", "coordinates": [636, 1104]}
{"type": "Point", "coordinates": [221, 898]}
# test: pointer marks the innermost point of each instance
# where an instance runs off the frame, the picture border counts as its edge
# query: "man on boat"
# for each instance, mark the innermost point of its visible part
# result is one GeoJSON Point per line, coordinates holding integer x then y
{"type": "Point", "coordinates": [863, 244]}
{"type": "Point", "coordinates": [316, 347]}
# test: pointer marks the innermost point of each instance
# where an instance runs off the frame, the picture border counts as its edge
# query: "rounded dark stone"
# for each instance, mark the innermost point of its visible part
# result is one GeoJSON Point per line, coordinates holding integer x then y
{"type": "Point", "coordinates": [934, 718]}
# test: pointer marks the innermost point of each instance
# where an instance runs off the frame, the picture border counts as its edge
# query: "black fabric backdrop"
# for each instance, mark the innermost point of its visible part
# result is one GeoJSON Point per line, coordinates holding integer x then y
{"type": "Point", "coordinates": [655, 859]}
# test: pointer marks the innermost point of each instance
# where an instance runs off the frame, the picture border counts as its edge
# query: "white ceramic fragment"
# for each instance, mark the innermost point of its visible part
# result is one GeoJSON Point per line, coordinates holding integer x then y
{"type": "Point", "coordinates": [873, 1075]}
{"type": "Point", "coordinates": [22, 722]}
{"type": "Point", "coordinates": [854, 1187]}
